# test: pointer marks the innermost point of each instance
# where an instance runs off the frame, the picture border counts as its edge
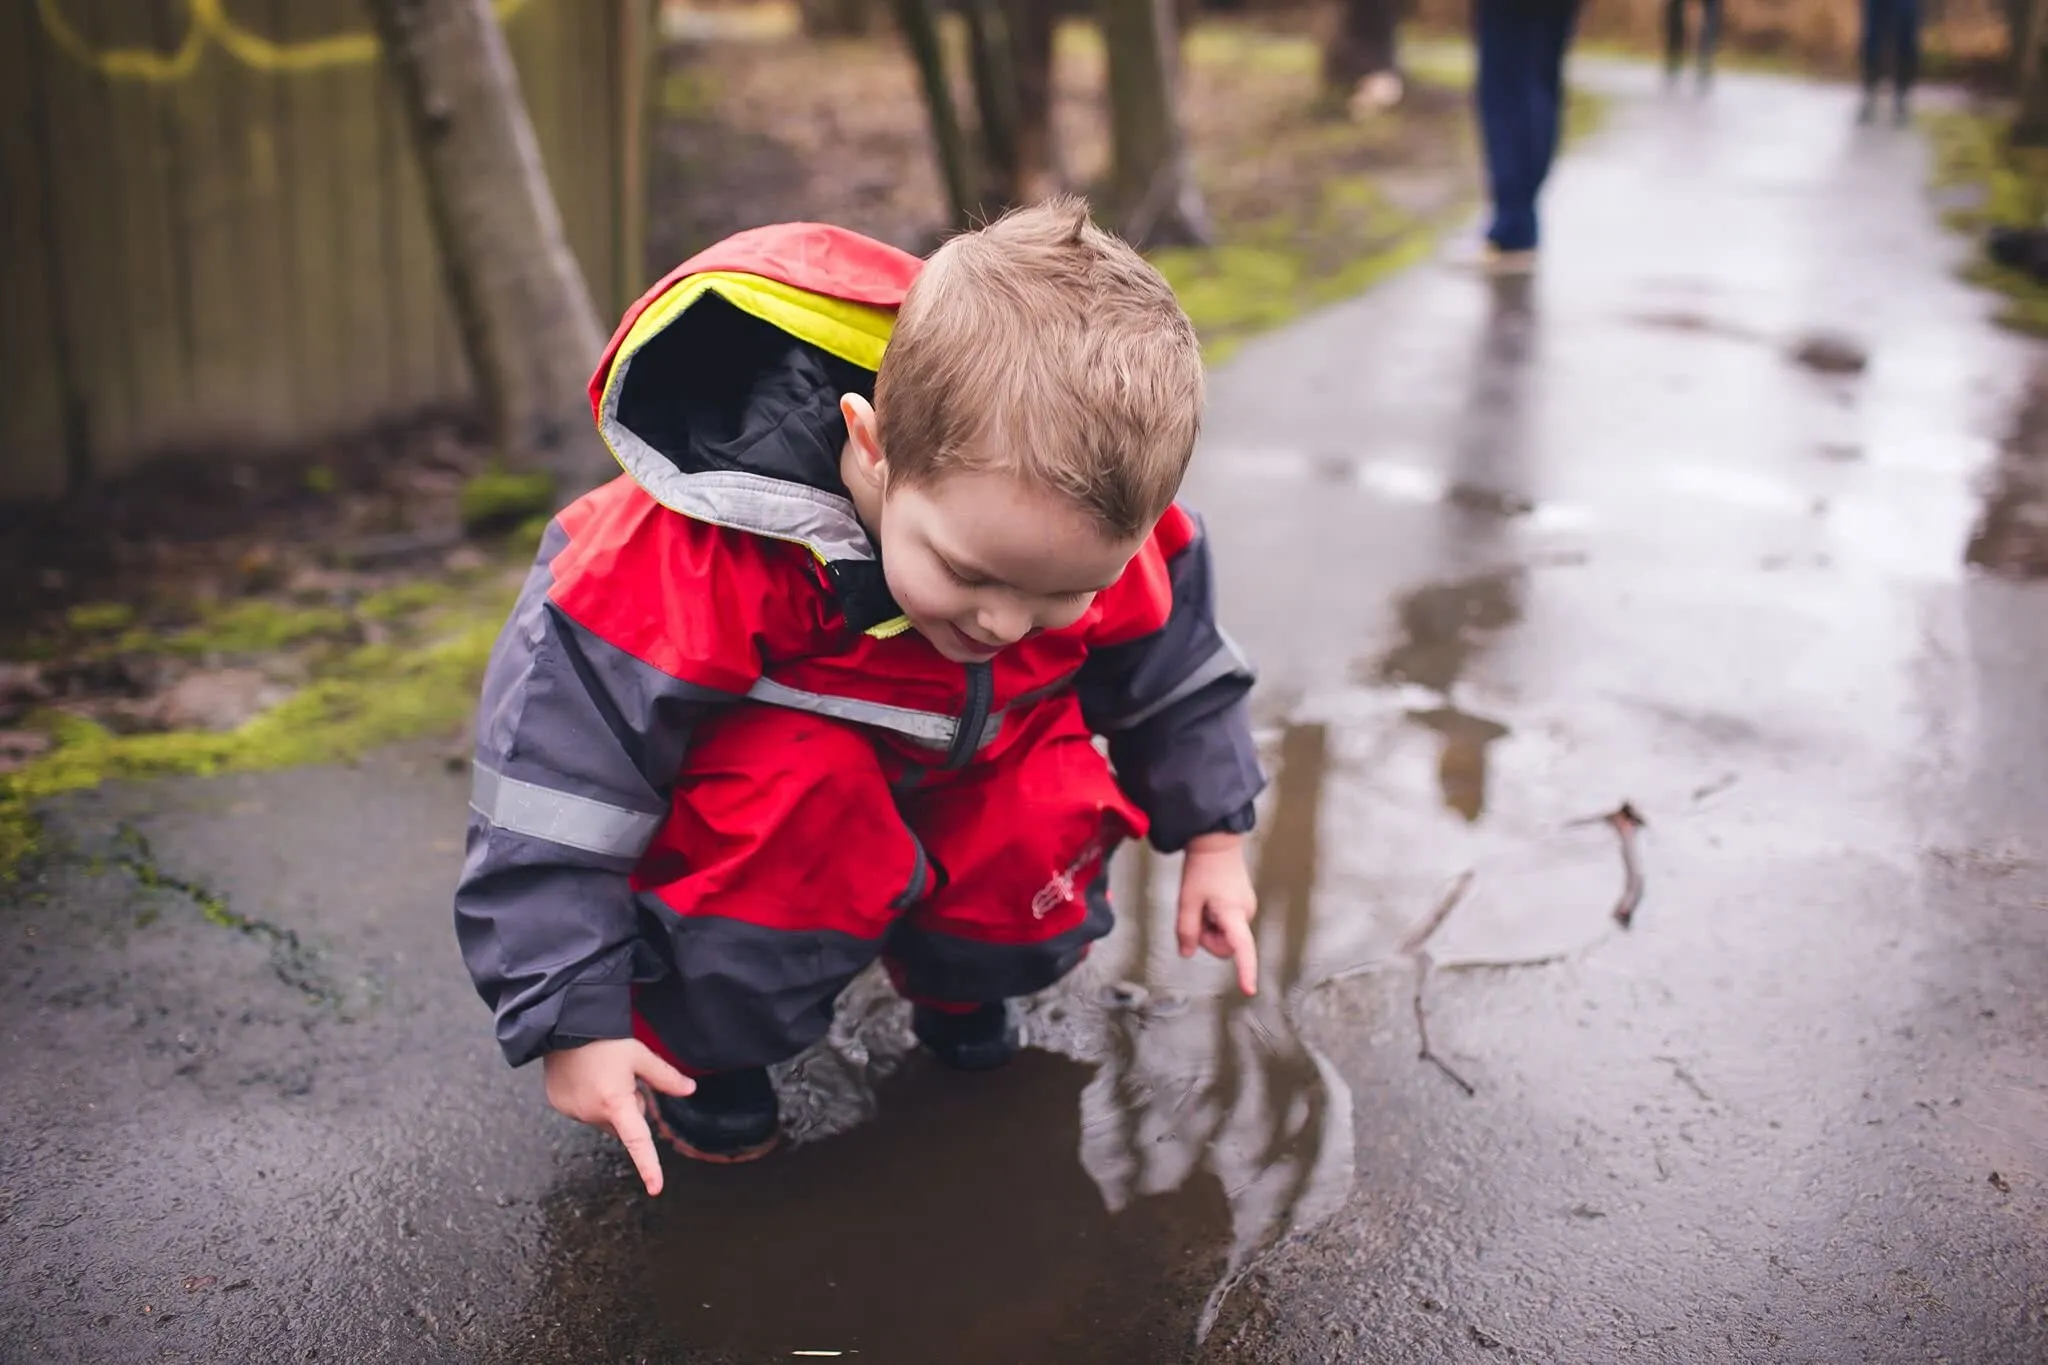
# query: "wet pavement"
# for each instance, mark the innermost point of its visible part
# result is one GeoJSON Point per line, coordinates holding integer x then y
{"type": "Point", "coordinates": [1510, 558]}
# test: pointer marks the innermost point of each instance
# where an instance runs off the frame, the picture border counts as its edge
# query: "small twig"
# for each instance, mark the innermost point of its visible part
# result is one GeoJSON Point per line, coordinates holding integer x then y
{"type": "Point", "coordinates": [1426, 930]}
{"type": "Point", "coordinates": [1426, 1053]}
{"type": "Point", "coordinates": [1415, 947]}
{"type": "Point", "coordinates": [1507, 964]}
{"type": "Point", "coordinates": [1626, 821]}
{"type": "Point", "coordinates": [1716, 787]}
{"type": "Point", "coordinates": [1687, 1079]}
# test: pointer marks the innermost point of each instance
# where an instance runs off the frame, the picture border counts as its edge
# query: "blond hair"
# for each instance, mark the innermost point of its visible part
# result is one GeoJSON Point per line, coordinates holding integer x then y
{"type": "Point", "coordinates": [1044, 347]}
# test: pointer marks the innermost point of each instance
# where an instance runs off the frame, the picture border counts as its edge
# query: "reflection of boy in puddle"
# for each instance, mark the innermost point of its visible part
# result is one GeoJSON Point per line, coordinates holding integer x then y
{"type": "Point", "coordinates": [820, 679]}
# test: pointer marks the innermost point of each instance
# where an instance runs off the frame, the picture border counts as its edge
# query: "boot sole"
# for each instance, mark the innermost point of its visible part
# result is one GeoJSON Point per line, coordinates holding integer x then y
{"type": "Point", "coordinates": [682, 1146]}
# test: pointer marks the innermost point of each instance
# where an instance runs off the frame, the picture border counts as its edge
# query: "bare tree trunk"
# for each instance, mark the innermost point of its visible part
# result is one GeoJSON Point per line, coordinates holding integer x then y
{"type": "Point", "coordinates": [2030, 113]}
{"type": "Point", "coordinates": [956, 159]}
{"type": "Point", "coordinates": [1032, 27]}
{"type": "Point", "coordinates": [524, 309]}
{"type": "Point", "coordinates": [992, 57]}
{"type": "Point", "coordinates": [1156, 199]}
{"type": "Point", "coordinates": [1364, 44]}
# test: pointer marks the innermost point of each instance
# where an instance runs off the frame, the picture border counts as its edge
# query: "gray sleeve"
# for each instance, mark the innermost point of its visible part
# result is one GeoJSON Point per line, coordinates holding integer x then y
{"type": "Point", "coordinates": [1173, 706]}
{"type": "Point", "coordinates": [577, 743]}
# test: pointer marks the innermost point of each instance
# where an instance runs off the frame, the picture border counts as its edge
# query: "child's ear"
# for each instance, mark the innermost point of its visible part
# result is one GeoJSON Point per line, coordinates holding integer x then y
{"type": "Point", "coordinates": [863, 437]}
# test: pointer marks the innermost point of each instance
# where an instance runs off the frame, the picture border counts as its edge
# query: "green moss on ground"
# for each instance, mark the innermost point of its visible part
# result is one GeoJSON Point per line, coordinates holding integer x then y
{"type": "Point", "coordinates": [421, 682]}
{"type": "Point", "coordinates": [1992, 184]}
{"type": "Point", "coordinates": [498, 498]}
{"type": "Point", "coordinates": [255, 625]}
{"type": "Point", "coordinates": [99, 618]}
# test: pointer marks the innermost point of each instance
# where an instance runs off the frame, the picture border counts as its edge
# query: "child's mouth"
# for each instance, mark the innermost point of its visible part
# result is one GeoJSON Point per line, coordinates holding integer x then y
{"type": "Point", "coordinates": [968, 645]}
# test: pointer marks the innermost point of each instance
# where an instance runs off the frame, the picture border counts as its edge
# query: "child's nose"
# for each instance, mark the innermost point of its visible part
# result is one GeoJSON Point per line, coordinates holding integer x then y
{"type": "Point", "coordinates": [1004, 625]}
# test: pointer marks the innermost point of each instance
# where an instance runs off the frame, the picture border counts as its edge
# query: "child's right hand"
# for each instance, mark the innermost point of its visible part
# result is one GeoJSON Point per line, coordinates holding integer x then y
{"type": "Point", "coordinates": [598, 1084]}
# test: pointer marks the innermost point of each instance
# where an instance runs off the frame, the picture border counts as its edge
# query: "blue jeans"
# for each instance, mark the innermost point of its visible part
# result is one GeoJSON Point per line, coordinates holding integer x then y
{"type": "Point", "coordinates": [1891, 28]}
{"type": "Point", "coordinates": [1674, 33]}
{"type": "Point", "coordinates": [1521, 102]}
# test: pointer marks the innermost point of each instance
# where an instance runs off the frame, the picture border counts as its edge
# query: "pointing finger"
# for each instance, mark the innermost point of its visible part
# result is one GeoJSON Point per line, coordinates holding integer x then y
{"type": "Point", "coordinates": [1187, 925]}
{"type": "Point", "coordinates": [1245, 950]}
{"type": "Point", "coordinates": [631, 1127]}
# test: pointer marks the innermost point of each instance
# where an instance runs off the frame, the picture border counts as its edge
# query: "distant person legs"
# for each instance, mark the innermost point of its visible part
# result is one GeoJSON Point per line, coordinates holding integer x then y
{"type": "Point", "coordinates": [1710, 36]}
{"type": "Point", "coordinates": [1906, 33]}
{"type": "Point", "coordinates": [1891, 38]}
{"type": "Point", "coordinates": [1522, 45]}
{"type": "Point", "coordinates": [1674, 38]}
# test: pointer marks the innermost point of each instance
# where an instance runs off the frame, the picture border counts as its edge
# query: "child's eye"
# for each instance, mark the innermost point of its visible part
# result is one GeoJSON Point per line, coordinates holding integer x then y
{"type": "Point", "coordinates": [962, 579]}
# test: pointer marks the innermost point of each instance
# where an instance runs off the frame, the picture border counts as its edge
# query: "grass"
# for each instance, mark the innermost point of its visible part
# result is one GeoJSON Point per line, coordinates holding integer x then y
{"type": "Point", "coordinates": [1993, 184]}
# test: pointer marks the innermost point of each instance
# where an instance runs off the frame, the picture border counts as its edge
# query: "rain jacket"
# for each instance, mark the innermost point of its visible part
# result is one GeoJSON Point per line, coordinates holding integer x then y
{"type": "Point", "coordinates": [726, 567]}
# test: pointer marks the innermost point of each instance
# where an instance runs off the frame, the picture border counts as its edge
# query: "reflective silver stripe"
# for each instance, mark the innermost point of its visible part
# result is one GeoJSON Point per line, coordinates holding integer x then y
{"type": "Point", "coordinates": [934, 728]}
{"type": "Point", "coordinates": [559, 817]}
{"type": "Point", "coordinates": [926, 727]}
{"type": "Point", "coordinates": [732, 498]}
{"type": "Point", "coordinates": [1227, 661]}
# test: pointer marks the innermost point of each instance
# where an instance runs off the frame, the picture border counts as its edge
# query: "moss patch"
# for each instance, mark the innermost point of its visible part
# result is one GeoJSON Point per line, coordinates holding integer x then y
{"type": "Point", "coordinates": [421, 681]}
{"type": "Point", "coordinates": [99, 618]}
{"type": "Point", "coordinates": [1990, 183]}
{"type": "Point", "coordinates": [498, 498]}
{"type": "Point", "coordinates": [256, 625]}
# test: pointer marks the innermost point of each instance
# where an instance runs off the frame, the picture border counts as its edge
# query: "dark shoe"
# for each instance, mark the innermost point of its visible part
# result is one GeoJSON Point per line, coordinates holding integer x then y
{"type": "Point", "coordinates": [731, 1117]}
{"type": "Point", "coordinates": [1867, 110]}
{"type": "Point", "coordinates": [2021, 249]}
{"type": "Point", "coordinates": [980, 1040]}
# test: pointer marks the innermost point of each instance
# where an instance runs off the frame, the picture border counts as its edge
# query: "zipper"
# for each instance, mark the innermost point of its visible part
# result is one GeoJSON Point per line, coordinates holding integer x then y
{"type": "Point", "coordinates": [981, 691]}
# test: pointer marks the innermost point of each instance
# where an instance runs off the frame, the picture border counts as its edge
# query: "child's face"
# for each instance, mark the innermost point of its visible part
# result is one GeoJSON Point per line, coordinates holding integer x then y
{"type": "Point", "coordinates": [980, 561]}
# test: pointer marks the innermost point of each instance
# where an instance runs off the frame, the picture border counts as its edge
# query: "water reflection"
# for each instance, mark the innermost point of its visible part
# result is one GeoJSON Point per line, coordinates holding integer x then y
{"type": "Point", "coordinates": [1222, 1085]}
{"type": "Point", "coordinates": [1445, 624]}
{"type": "Point", "coordinates": [1093, 1202]}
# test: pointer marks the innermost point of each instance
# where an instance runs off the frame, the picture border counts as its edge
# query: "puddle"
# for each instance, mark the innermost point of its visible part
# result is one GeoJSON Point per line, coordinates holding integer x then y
{"type": "Point", "coordinates": [1495, 502]}
{"type": "Point", "coordinates": [1695, 324]}
{"type": "Point", "coordinates": [1461, 764]}
{"type": "Point", "coordinates": [1444, 624]}
{"type": "Point", "coordinates": [955, 1224]}
{"type": "Point", "coordinates": [1095, 1201]}
{"type": "Point", "coordinates": [2011, 534]}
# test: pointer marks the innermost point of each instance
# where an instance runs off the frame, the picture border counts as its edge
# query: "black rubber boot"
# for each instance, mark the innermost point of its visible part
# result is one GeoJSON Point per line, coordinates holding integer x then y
{"type": "Point", "coordinates": [981, 1040]}
{"type": "Point", "coordinates": [730, 1118]}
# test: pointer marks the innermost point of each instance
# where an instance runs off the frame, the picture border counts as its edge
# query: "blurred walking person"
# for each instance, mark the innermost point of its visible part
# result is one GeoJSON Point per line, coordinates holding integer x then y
{"type": "Point", "coordinates": [1891, 37]}
{"type": "Point", "coordinates": [1522, 46]}
{"type": "Point", "coordinates": [1674, 39]}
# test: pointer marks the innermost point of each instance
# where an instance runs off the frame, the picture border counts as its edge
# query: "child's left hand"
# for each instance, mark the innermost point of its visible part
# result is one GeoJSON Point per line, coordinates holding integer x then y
{"type": "Point", "coordinates": [1217, 904]}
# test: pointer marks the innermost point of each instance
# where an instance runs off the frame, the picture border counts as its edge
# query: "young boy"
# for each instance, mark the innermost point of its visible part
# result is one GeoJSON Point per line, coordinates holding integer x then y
{"type": "Point", "coordinates": [818, 680]}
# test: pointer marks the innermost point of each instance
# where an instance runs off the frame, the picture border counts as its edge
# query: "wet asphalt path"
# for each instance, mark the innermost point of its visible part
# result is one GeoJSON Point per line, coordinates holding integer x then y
{"type": "Point", "coordinates": [1509, 558]}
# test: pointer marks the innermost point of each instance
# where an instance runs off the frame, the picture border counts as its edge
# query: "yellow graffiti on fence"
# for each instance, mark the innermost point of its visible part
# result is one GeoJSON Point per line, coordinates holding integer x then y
{"type": "Point", "coordinates": [209, 19]}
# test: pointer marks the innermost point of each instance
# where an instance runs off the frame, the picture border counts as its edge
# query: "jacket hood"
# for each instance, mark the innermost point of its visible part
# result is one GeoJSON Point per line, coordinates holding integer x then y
{"type": "Point", "coordinates": [719, 394]}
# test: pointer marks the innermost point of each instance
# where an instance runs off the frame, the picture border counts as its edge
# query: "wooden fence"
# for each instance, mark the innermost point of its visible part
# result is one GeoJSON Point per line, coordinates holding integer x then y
{"type": "Point", "coordinates": [212, 233]}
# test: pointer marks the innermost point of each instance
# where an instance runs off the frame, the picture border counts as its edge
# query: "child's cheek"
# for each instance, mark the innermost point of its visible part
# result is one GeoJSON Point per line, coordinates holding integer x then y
{"type": "Point", "coordinates": [919, 596]}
